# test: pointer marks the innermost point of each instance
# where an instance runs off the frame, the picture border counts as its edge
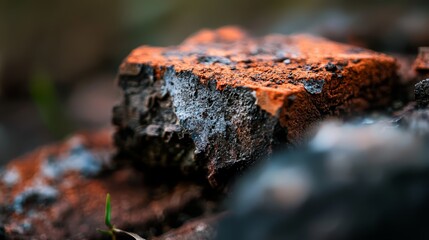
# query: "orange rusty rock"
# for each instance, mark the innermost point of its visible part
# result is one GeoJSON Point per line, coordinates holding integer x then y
{"type": "Point", "coordinates": [422, 60]}
{"type": "Point", "coordinates": [48, 195]}
{"type": "Point", "coordinates": [362, 67]}
{"type": "Point", "coordinates": [297, 80]}
{"type": "Point", "coordinates": [421, 64]}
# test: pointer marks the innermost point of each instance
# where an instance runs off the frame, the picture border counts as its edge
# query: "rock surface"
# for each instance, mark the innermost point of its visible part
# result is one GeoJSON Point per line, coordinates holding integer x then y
{"type": "Point", "coordinates": [58, 192]}
{"type": "Point", "coordinates": [222, 100]}
{"type": "Point", "coordinates": [369, 182]}
{"type": "Point", "coordinates": [421, 64]}
{"type": "Point", "coordinates": [421, 93]}
{"type": "Point", "coordinates": [198, 229]}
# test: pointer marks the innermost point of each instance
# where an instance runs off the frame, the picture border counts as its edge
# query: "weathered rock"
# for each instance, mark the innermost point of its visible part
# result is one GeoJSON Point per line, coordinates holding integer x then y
{"type": "Point", "coordinates": [421, 92]}
{"type": "Point", "coordinates": [222, 100]}
{"type": "Point", "coordinates": [58, 192]}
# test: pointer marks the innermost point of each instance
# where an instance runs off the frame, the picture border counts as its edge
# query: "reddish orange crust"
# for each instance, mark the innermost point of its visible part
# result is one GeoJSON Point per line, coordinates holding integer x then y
{"type": "Point", "coordinates": [78, 209]}
{"type": "Point", "coordinates": [278, 68]}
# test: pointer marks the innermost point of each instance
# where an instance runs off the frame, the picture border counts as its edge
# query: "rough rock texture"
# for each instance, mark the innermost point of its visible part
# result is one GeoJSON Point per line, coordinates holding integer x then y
{"type": "Point", "coordinates": [221, 100]}
{"type": "Point", "coordinates": [421, 93]}
{"type": "Point", "coordinates": [58, 192]}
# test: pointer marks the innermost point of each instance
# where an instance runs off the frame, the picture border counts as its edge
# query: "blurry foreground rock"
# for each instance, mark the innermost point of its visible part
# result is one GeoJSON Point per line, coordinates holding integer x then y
{"type": "Point", "coordinates": [58, 191]}
{"type": "Point", "coordinates": [352, 182]}
{"type": "Point", "coordinates": [222, 100]}
{"type": "Point", "coordinates": [199, 229]}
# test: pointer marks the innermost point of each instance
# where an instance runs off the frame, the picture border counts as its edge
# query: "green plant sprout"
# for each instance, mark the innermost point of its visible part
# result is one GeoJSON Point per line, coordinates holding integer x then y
{"type": "Point", "coordinates": [112, 230]}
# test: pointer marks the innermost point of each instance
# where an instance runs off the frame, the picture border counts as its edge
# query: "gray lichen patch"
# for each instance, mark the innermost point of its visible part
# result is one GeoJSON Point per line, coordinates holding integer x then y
{"type": "Point", "coordinates": [36, 196]}
{"type": "Point", "coordinates": [421, 92]}
{"type": "Point", "coordinates": [78, 159]}
{"type": "Point", "coordinates": [177, 120]}
{"type": "Point", "coordinates": [199, 108]}
{"type": "Point", "coordinates": [10, 177]}
{"type": "Point", "coordinates": [313, 86]}
{"type": "Point", "coordinates": [227, 117]}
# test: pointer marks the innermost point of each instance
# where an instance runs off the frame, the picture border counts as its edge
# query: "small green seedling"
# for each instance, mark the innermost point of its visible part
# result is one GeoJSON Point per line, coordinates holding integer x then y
{"type": "Point", "coordinates": [112, 231]}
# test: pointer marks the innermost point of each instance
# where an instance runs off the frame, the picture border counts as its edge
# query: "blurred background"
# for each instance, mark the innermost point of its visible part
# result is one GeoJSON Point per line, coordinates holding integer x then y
{"type": "Point", "coordinates": [58, 59]}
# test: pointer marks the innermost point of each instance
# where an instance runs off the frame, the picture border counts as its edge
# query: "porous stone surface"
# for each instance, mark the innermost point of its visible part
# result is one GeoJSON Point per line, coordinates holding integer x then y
{"type": "Point", "coordinates": [421, 92]}
{"type": "Point", "coordinates": [58, 192]}
{"type": "Point", "coordinates": [222, 100]}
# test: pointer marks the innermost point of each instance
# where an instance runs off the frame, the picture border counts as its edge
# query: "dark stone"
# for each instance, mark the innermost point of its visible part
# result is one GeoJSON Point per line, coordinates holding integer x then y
{"type": "Point", "coordinates": [214, 59]}
{"type": "Point", "coordinates": [421, 93]}
{"type": "Point", "coordinates": [34, 197]}
{"type": "Point", "coordinates": [165, 143]}
{"type": "Point", "coordinates": [330, 67]}
{"type": "Point", "coordinates": [313, 86]}
{"type": "Point", "coordinates": [338, 187]}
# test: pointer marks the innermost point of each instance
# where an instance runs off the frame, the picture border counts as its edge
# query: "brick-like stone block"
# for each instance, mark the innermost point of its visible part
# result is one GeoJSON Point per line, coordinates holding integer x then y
{"type": "Point", "coordinates": [222, 100]}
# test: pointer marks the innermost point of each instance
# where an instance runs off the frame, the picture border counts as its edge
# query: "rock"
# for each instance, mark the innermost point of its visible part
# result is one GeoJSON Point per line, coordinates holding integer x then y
{"type": "Point", "coordinates": [421, 63]}
{"type": "Point", "coordinates": [197, 229]}
{"type": "Point", "coordinates": [58, 192]}
{"type": "Point", "coordinates": [222, 100]}
{"type": "Point", "coordinates": [421, 93]}
{"type": "Point", "coordinates": [349, 182]}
